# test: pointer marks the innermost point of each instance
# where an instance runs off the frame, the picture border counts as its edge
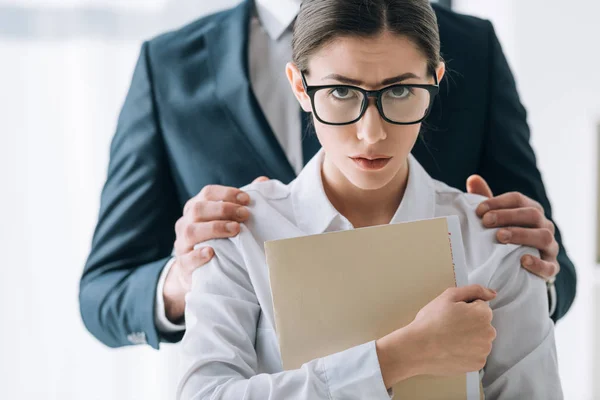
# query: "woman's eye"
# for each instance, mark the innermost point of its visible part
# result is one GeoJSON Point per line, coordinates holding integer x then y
{"type": "Point", "coordinates": [399, 92]}
{"type": "Point", "coordinates": [342, 93]}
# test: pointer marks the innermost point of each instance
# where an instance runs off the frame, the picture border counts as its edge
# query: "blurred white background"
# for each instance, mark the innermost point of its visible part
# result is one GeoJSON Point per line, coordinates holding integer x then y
{"type": "Point", "coordinates": [65, 66]}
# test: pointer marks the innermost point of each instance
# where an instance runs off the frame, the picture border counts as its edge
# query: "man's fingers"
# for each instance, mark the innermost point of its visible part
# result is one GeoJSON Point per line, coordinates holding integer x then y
{"type": "Point", "coordinates": [199, 232]}
{"type": "Point", "coordinates": [182, 247]}
{"type": "Point", "coordinates": [195, 259]}
{"type": "Point", "coordinates": [219, 193]}
{"type": "Point", "coordinates": [224, 193]}
{"type": "Point", "coordinates": [527, 217]}
{"type": "Point", "coordinates": [544, 269]}
{"type": "Point", "coordinates": [541, 239]}
{"type": "Point", "coordinates": [471, 293]}
{"type": "Point", "coordinates": [477, 185]}
{"type": "Point", "coordinates": [204, 211]}
{"type": "Point", "coordinates": [506, 201]}
{"type": "Point", "coordinates": [203, 231]}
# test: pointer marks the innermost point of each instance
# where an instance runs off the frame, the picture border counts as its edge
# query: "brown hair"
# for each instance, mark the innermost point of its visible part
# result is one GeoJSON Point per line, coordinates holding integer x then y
{"type": "Point", "coordinates": [321, 21]}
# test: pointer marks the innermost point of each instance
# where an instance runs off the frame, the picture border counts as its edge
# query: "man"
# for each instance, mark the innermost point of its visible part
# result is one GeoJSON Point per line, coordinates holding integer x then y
{"type": "Point", "coordinates": [209, 106]}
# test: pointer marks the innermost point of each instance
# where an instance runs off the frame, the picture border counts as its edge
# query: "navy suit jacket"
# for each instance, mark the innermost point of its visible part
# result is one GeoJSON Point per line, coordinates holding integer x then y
{"type": "Point", "coordinates": [190, 119]}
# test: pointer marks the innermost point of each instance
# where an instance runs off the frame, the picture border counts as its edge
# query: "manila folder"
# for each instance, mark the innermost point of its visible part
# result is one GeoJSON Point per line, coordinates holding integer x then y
{"type": "Point", "coordinates": [337, 290]}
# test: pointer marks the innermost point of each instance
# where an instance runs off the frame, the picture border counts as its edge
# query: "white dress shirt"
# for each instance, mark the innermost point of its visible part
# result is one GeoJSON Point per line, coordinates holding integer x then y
{"type": "Point", "coordinates": [230, 349]}
{"type": "Point", "coordinates": [270, 49]}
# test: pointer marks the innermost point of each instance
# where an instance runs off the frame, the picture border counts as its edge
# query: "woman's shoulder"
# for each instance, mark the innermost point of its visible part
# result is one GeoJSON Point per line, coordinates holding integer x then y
{"type": "Point", "coordinates": [270, 190]}
{"type": "Point", "coordinates": [483, 251]}
{"type": "Point", "coordinates": [266, 200]}
{"type": "Point", "coordinates": [271, 215]}
{"type": "Point", "coordinates": [451, 201]}
{"type": "Point", "coordinates": [270, 209]}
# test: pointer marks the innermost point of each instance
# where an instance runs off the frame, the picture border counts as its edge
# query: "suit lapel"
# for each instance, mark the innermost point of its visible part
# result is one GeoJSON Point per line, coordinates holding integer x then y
{"type": "Point", "coordinates": [228, 48]}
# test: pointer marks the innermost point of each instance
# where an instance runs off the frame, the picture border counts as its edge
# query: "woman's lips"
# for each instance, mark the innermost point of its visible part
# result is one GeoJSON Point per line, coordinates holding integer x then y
{"type": "Point", "coordinates": [370, 164]}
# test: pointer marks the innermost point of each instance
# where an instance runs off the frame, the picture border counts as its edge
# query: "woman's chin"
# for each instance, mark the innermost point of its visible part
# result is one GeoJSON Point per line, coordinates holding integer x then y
{"type": "Point", "coordinates": [371, 180]}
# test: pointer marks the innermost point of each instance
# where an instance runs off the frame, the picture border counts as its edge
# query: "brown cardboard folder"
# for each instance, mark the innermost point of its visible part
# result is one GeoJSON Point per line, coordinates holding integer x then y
{"type": "Point", "coordinates": [337, 290]}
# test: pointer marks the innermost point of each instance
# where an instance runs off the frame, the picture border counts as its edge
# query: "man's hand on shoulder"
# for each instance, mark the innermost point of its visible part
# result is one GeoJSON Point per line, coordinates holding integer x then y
{"type": "Point", "coordinates": [216, 212]}
{"type": "Point", "coordinates": [522, 222]}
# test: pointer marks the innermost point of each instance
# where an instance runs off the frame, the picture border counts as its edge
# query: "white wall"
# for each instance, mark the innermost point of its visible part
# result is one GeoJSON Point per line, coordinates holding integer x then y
{"type": "Point", "coordinates": [552, 47]}
{"type": "Point", "coordinates": [62, 82]}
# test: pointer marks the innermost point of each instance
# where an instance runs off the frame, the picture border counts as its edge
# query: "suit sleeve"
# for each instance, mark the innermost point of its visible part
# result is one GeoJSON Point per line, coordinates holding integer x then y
{"type": "Point", "coordinates": [509, 163]}
{"type": "Point", "coordinates": [134, 235]}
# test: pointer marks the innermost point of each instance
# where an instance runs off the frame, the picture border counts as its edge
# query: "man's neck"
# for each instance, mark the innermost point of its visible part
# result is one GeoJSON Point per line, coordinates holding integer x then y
{"type": "Point", "coordinates": [364, 207]}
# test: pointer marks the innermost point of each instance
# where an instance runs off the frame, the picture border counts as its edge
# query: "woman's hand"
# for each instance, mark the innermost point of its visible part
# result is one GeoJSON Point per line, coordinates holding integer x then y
{"type": "Point", "coordinates": [457, 330]}
{"type": "Point", "coordinates": [451, 335]}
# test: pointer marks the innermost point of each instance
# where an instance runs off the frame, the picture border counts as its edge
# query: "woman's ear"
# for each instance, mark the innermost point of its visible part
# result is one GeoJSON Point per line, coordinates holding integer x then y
{"type": "Point", "coordinates": [295, 78]}
{"type": "Point", "coordinates": [440, 71]}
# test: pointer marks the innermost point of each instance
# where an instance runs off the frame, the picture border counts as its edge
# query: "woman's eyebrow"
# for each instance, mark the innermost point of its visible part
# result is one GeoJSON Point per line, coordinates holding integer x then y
{"type": "Point", "coordinates": [385, 82]}
{"type": "Point", "coordinates": [399, 78]}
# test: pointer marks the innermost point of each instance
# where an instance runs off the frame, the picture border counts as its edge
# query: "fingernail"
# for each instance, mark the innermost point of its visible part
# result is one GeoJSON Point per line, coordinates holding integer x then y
{"type": "Point", "coordinates": [231, 227]}
{"type": "Point", "coordinates": [504, 235]}
{"type": "Point", "coordinates": [205, 252]}
{"type": "Point", "coordinates": [527, 261]}
{"type": "Point", "coordinates": [243, 198]}
{"type": "Point", "coordinates": [493, 291]}
{"type": "Point", "coordinates": [242, 213]}
{"type": "Point", "coordinates": [483, 208]}
{"type": "Point", "coordinates": [489, 219]}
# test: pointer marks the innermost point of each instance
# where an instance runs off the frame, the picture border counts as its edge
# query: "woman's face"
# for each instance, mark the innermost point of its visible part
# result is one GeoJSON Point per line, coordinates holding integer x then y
{"type": "Point", "coordinates": [371, 152]}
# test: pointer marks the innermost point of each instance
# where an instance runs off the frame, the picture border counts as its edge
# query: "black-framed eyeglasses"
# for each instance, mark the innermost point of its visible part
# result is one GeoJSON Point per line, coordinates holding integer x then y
{"type": "Point", "coordinates": [397, 104]}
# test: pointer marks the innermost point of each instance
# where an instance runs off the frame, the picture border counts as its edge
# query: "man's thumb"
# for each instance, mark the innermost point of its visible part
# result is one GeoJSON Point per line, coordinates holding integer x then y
{"type": "Point", "coordinates": [261, 179]}
{"type": "Point", "coordinates": [477, 185]}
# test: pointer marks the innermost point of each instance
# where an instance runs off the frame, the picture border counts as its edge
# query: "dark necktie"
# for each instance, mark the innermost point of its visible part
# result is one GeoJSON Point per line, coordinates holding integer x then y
{"type": "Point", "coordinates": [310, 142]}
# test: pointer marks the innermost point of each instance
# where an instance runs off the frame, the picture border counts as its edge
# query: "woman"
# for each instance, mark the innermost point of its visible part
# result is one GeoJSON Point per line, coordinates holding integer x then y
{"type": "Point", "coordinates": [368, 70]}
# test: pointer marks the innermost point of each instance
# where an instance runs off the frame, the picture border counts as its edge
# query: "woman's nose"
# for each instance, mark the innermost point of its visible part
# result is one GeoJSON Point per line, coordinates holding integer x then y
{"type": "Point", "coordinates": [371, 126]}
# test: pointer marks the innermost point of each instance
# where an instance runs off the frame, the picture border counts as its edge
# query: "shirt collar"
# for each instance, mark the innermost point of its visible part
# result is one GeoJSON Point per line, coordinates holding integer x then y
{"type": "Point", "coordinates": [419, 197]}
{"type": "Point", "coordinates": [276, 16]}
{"type": "Point", "coordinates": [314, 212]}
